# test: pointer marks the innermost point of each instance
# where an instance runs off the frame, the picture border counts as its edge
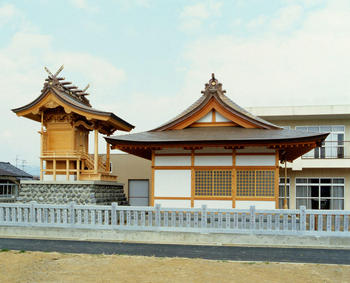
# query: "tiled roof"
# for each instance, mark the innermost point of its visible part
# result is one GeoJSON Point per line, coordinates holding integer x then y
{"type": "Point", "coordinates": [7, 169]}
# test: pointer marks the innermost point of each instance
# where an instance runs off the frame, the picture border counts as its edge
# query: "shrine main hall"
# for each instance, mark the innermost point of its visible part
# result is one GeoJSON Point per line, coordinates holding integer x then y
{"type": "Point", "coordinates": [216, 153]}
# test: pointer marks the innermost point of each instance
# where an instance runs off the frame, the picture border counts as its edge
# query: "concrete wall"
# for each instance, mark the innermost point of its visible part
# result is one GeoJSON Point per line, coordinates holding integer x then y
{"type": "Point", "coordinates": [130, 167]}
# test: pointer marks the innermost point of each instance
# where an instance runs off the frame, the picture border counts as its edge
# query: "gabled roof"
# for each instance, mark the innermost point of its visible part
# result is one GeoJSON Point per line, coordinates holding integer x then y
{"type": "Point", "coordinates": [8, 170]}
{"type": "Point", "coordinates": [214, 94]}
{"type": "Point", "coordinates": [245, 130]}
{"type": "Point", "coordinates": [64, 94]}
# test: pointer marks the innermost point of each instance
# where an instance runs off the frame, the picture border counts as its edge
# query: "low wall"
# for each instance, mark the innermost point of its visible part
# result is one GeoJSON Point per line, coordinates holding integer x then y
{"type": "Point", "coordinates": [186, 238]}
{"type": "Point", "coordinates": [81, 192]}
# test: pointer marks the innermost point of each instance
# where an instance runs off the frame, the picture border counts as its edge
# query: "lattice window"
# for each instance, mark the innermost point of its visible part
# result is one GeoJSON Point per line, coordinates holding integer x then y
{"type": "Point", "coordinates": [213, 182]}
{"type": "Point", "coordinates": [259, 183]}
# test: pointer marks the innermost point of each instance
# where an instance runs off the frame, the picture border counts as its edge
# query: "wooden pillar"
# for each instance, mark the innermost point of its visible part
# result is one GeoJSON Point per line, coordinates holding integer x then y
{"type": "Point", "coordinates": [96, 152]}
{"type": "Point", "coordinates": [41, 169]}
{"type": "Point", "coordinates": [108, 153]}
{"type": "Point", "coordinates": [192, 177]}
{"type": "Point", "coordinates": [151, 203]}
{"type": "Point", "coordinates": [67, 169]}
{"type": "Point", "coordinates": [234, 183]}
{"type": "Point", "coordinates": [285, 205]}
{"type": "Point", "coordinates": [78, 169]}
{"type": "Point", "coordinates": [54, 169]}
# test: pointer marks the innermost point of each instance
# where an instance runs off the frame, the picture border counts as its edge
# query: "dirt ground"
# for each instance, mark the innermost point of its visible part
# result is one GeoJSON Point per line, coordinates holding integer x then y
{"type": "Point", "coordinates": [20, 266]}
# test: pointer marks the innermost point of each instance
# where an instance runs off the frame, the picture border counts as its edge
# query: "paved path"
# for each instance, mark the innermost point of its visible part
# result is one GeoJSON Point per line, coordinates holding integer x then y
{"type": "Point", "coordinates": [190, 251]}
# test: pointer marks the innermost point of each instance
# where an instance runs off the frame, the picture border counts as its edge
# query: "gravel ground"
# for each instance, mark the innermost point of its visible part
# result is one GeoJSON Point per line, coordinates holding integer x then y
{"type": "Point", "coordinates": [20, 266]}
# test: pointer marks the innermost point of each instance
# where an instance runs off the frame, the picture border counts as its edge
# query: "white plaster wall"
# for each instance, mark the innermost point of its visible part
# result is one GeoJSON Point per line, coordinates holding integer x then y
{"type": "Point", "coordinates": [220, 118]}
{"type": "Point", "coordinates": [213, 203]}
{"type": "Point", "coordinates": [224, 160]}
{"type": "Point", "coordinates": [172, 183]}
{"type": "Point", "coordinates": [255, 149]}
{"type": "Point", "coordinates": [255, 160]}
{"type": "Point", "coordinates": [213, 149]}
{"type": "Point", "coordinates": [206, 118]}
{"type": "Point", "coordinates": [246, 204]}
{"type": "Point", "coordinates": [173, 203]}
{"type": "Point", "coordinates": [172, 161]}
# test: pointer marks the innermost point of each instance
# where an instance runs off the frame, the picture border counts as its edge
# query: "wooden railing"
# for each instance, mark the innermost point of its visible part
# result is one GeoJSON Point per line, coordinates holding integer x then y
{"type": "Point", "coordinates": [203, 220]}
{"type": "Point", "coordinates": [75, 154]}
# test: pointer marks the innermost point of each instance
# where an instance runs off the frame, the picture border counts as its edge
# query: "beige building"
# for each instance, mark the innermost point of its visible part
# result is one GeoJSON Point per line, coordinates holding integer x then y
{"type": "Point", "coordinates": [319, 179]}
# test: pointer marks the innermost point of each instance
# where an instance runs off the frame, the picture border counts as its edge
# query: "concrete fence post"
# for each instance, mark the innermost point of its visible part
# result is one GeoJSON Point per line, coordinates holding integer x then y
{"type": "Point", "coordinates": [252, 217]}
{"type": "Point", "coordinates": [114, 213]}
{"type": "Point", "coordinates": [32, 212]}
{"type": "Point", "coordinates": [72, 213]}
{"type": "Point", "coordinates": [158, 217]}
{"type": "Point", "coordinates": [302, 218]}
{"type": "Point", "coordinates": [204, 216]}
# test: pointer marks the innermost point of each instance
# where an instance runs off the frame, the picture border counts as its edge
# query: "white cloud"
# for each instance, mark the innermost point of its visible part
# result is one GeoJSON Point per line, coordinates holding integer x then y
{"type": "Point", "coordinates": [193, 16]}
{"type": "Point", "coordinates": [84, 5]}
{"type": "Point", "coordinates": [257, 22]}
{"type": "Point", "coordinates": [308, 66]}
{"type": "Point", "coordinates": [287, 17]}
{"type": "Point", "coordinates": [7, 12]}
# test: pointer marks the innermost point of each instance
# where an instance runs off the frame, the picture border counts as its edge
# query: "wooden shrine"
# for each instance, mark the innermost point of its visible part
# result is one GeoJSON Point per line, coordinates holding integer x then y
{"type": "Point", "coordinates": [67, 119]}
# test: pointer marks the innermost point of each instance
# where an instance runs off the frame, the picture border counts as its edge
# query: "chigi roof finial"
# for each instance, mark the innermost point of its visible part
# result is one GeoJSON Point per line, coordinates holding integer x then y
{"type": "Point", "coordinates": [213, 85]}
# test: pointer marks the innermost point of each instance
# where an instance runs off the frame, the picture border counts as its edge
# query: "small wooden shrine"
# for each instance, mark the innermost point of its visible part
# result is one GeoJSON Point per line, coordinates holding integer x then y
{"type": "Point", "coordinates": [218, 154]}
{"type": "Point", "coordinates": [67, 118]}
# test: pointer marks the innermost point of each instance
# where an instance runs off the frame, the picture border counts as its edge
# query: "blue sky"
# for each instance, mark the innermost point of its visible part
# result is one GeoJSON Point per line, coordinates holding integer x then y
{"type": "Point", "coordinates": [146, 60]}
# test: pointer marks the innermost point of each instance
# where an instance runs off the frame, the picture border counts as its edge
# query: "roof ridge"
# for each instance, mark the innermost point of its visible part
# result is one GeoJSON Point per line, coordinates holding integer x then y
{"type": "Point", "coordinates": [214, 89]}
{"type": "Point", "coordinates": [53, 81]}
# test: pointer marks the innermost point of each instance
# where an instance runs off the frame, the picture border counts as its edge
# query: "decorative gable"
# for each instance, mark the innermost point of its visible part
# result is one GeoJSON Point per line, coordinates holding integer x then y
{"type": "Point", "coordinates": [215, 109]}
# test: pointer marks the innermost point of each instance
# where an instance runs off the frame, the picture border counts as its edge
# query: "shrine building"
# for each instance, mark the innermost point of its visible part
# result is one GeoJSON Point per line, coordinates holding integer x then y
{"type": "Point", "coordinates": [67, 118]}
{"type": "Point", "coordinates": [217, 153]}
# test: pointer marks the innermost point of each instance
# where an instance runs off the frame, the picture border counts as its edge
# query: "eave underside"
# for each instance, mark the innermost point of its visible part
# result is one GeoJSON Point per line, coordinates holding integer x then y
{"type": "Point", "coordinates": [287, 150]}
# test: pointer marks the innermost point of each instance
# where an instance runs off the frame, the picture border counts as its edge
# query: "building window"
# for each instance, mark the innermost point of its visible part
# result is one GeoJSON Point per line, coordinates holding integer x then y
{"type": "Point", "coordinates": [281, 192]}
{"type": "Point", "coordinates": [213, 182]}
{"type": "Point", "coordinates": [320, 193]}
{"type": "Point", "coordinates": [255, 183]}
{"type": "Point", "coordinates": [332, 147]}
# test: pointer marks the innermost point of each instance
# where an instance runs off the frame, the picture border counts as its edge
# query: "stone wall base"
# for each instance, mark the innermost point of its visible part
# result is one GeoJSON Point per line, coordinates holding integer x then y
{"type": "Point", "coordinates": [89, 192]}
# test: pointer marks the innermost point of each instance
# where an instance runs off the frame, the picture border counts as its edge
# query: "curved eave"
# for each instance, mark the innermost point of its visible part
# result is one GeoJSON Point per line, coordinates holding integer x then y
{"type": "Point", "coordinates": [289, 148]}
{"type": "Point", "coordinates": [199, 107]}
{"type": "Point", "coordinates": [109, 117]}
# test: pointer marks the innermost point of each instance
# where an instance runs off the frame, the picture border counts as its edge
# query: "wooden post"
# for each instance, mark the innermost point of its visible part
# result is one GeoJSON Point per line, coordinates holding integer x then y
{"type": "Point", "coordinates": [285, 205]}
{"type": "Point", "coordinates": [41, 146]}
{"type": "Point", "coordinates": [108, 152]}
{"type": "Point", "coordinates": [78, 169]}
{"type": "Point", "coordinates": [192, 177]}
{"type": "Point", "coordinates": [41, 170]}
{"type": "Point", "coordinates": [54, 169]}
{"type": "Point", "coordinates": [67, 169]}
{"type": "Point", "coordinates": [96, 152]}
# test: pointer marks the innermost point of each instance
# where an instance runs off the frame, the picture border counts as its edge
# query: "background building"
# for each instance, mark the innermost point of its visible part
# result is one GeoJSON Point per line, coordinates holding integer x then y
{"type": "Point", "coordinates": [10, 177]}
{"type": "Point", "coordinates": [319, 179]}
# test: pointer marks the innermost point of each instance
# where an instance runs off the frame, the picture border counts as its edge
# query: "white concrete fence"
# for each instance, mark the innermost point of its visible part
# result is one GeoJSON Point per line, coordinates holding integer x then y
{"type": "Point", "coordinates": [202, 220]}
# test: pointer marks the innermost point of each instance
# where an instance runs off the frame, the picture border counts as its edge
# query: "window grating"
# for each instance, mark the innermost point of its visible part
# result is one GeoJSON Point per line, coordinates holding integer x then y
{"type": "Point", "coordinates": [252, 183]}
{"type": "Point", "coordinates": [213, 182]}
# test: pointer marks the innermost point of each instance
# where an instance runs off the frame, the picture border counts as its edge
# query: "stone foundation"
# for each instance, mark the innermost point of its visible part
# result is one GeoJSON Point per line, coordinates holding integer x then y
{"type": "Point", "coordinates": [81, 192]}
